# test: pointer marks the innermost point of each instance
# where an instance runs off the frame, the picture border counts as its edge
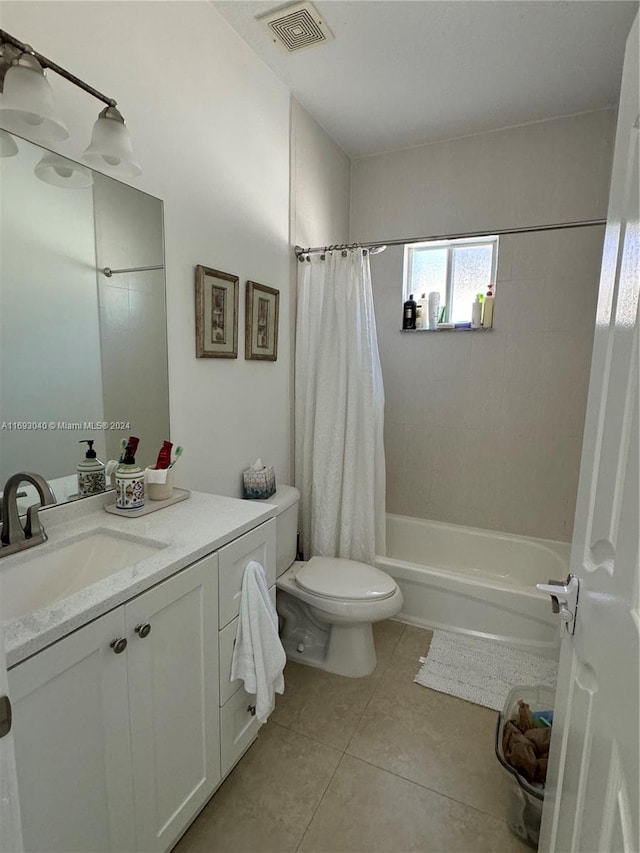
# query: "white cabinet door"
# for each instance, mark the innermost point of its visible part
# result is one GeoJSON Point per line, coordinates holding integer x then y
{"type": "Point", "coordinates": [258, 544]}
{"type": "Point", "coordinates": [173, 699]}
{"type": "Point", "coordinates": [71, 727]}
{"type": "Point", "coordinates": [238, 728]}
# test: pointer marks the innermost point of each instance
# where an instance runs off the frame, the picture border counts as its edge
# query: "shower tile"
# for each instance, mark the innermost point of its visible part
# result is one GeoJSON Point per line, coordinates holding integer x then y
{"type": "Point", "coordinates": [522, 408]}
{"type": "Point", "coordinates": [449, 401]}
{"type": "Point", "coordinates": [487, 357]}
{"type": "Point", "coordinates": [446, 498]}
{"type": "Point", "coordinates": [447, 450]}
{"type": "Point", "coordinates": [451, 358]}
{"type": "Point", "coordinates": [573, 303]}
{"type": "Point", "coordinates": [433, 739]}
{"type": "Point", "coordinates": [251, 811]}
{"type": "Point", "coordinates": [400, 816]}
{"type": "Point", "coordinates": [421, 403]}
{"type": "Point", "coordinates": [483, 401]}
{"type": "Point", "coordinates": [524, 351]}
{"type": "Point", "coordinates": [520, 306]}
{"type": "Point", "coordinates": [567, 356]}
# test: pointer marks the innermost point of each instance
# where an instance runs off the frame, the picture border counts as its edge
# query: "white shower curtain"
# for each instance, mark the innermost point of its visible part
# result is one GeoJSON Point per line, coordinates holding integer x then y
{"type": "Point", "coordinates": [339, 409]}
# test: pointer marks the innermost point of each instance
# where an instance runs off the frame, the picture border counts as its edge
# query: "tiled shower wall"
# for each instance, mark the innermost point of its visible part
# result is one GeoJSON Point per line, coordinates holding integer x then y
{"type": "Point", "coordinates": [485, 428]}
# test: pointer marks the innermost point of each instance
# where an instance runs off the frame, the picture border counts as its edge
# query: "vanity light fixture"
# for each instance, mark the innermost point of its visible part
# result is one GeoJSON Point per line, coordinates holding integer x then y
{"type": "Point", "coordinates": [110, 148]}
{"type": "Point", "coordinates": [27, 108]}
{"type": "Point", "coordinates": [57, 170]}
{"type": "Point", "coordinates": [8, 147]}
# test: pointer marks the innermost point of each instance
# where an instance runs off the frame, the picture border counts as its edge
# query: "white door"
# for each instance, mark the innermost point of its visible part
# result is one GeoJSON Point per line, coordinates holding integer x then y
{"type": "Point", "coordinates": [173, 700]}
{"type": "Point", "coordinates": [593, 791]}
{"type": "Point", "coordinates": [71, 729]}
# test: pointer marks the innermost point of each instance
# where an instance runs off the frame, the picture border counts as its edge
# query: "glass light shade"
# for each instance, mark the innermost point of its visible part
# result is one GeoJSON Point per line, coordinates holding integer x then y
{"type": "Point", "coordinates": [110, 149]}
{"type": "Point", "coordinates": [27, 105]}
{"type": "Point", "coordinates": [56, 170]}
{"type": "Point", "coordinates": [8, 145]}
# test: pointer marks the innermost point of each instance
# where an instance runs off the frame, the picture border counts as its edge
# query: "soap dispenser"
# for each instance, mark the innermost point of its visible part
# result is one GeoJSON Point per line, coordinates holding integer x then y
{"type": "Point", "coordinates": [91, 475]}
{"type": "Point", "coordinates": [129, 479]}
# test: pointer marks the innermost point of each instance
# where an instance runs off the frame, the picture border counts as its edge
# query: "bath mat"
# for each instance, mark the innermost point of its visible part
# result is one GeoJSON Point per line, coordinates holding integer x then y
{"type": "Point", "coordinates": [481, 671]}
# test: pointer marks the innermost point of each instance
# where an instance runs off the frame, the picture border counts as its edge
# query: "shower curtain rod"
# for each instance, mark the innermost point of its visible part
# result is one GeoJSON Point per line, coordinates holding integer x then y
{"type": "Point", "coordinates": [556, 226]}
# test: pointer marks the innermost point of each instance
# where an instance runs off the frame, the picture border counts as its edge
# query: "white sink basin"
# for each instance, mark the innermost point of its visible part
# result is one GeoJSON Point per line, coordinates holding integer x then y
{"type": "Point", "coordinates": [43, 577]}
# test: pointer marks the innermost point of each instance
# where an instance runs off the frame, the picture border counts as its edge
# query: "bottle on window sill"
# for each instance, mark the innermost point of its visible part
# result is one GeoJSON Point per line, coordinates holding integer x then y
{"type": "Point", "coordinates": [434, 309]}
{"type": "Point", "coordinates": [476, 312]}
{"type": "Point", "coordinates": [487, 308]}
{"type": "Point", "coordinates": [409, 314]}
{"type": "Point", "coordinates": [422, 309]}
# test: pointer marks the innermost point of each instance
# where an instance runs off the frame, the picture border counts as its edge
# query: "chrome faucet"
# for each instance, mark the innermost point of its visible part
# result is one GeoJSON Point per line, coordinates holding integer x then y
{"type": "Point", "coordinates": [14, 536]}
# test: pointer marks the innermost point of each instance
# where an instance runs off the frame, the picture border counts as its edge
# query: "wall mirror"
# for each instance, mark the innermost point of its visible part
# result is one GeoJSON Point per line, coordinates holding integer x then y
{"type": "Point", "coordinates": [83, 355]}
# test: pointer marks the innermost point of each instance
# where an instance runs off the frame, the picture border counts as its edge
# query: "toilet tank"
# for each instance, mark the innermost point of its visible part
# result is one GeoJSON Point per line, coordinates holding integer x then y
{"type": "Point", "coordinates": [286, 500]}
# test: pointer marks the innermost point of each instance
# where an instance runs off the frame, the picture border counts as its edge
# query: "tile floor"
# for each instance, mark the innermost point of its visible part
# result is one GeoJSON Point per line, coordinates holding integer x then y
{"type": "Point", "coordinates": [362, 765]}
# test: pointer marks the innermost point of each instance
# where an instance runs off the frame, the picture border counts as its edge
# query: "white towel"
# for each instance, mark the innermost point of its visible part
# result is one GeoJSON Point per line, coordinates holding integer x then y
{"type": "Point", "coordinates": [258, 655]}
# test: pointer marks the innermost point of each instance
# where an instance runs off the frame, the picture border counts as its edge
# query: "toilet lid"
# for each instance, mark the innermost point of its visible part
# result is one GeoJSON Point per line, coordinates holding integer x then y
{"type": "Point", "coordinates": [332, 577]}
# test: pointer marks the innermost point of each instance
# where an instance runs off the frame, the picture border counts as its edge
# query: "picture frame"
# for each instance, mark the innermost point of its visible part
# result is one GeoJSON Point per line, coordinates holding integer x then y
{"type": "Point", "coordinates": [216, 313]}
{"type": "Point", "coordinates": [261, 322]}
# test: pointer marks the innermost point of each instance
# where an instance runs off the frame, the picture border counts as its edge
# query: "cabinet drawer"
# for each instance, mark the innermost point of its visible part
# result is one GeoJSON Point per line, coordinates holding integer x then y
{"type": "Point", "coordinates": [238, 728]}
{"type": "Point", "coordinates": [258, 544]}
{"type": "Point", "coordinates": [226, 643]}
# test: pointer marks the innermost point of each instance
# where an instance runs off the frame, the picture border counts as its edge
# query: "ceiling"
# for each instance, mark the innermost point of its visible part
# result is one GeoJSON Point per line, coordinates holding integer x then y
{"type": "Point", "coordinates": [405, 72]}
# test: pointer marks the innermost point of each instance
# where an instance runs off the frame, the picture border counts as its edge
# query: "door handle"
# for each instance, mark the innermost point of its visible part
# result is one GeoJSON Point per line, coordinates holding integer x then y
{"type": "Point", "coordinates": [564, 599]}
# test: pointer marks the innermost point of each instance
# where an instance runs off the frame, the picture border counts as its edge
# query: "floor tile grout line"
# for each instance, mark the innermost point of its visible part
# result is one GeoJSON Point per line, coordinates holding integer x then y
{"type": "Point", "coordinates": [378, 685]}
{"type": "Point", "coordinates": [310, 737]}
{"type": "Point", "coordinates": [320, 801]}
{"type": "Point", "coordinates": [317, 740]}
{"type": "Point", "coordinates": [425, 787]}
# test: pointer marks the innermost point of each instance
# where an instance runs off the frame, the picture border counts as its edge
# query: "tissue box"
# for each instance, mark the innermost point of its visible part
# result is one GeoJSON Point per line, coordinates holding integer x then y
{"type": "Point", "coordinates": [258, 485]}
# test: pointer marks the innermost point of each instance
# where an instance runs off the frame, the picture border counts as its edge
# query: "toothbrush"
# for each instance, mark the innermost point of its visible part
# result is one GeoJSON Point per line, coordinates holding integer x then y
{"type": "Point", "coordinates": [179, 450]}
{"type": "Point", "coordinates": [123, 444]}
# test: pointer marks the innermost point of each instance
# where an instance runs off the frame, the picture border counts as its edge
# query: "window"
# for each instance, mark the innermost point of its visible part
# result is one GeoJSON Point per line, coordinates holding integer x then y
{"type": "Point", "coordinates": [457, 269]}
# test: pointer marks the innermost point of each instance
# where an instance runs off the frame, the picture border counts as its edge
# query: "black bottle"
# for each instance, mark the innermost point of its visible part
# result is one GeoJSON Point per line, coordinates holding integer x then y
{"type": "Point", "coordinates": [409, 314]}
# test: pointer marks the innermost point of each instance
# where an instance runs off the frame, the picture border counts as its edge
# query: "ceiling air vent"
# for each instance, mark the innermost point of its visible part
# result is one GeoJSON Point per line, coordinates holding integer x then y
{"type": "Point", "coordinates": [297, 26]}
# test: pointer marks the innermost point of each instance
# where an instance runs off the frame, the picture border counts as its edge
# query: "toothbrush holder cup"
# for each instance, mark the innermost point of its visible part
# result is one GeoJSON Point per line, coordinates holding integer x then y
{"type": "Point", "coordinates": [159, 483]}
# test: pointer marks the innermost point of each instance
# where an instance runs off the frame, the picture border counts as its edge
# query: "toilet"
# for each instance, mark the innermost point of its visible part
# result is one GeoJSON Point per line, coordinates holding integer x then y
{"type": "Point", "coordinates": [326, 605]}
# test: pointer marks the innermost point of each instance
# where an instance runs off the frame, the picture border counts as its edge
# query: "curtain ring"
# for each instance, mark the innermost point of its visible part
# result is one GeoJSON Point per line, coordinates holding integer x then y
{"type": "Point", "coordinates": [344, 253]}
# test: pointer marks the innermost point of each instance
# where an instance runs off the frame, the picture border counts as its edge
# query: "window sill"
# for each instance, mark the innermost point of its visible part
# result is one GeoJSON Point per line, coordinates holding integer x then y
{"type": "Point", "coordinates": [439, 331]}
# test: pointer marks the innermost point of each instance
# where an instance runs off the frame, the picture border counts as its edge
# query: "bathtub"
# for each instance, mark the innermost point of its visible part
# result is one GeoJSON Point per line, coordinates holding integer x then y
{"type": "Point", "coordinates": [474, 581]}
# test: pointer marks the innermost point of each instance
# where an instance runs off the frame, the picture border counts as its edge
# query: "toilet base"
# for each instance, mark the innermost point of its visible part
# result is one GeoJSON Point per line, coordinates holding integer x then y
{"type": "Point", "coordinates": [351, 650]}
{"type": "Point", "coordinates": [342, 649]}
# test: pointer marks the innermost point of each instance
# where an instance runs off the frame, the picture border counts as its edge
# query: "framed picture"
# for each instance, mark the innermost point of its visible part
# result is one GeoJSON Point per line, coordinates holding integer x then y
{"type": "Point", "coordinates": [216, 314]}
{"type": "Point", "coordinates": [261, 336]}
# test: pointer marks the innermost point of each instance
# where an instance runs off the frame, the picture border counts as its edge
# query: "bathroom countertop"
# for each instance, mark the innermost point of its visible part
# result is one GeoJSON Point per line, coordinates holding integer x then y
{"type": "Point", "coordinates": [190, 529]}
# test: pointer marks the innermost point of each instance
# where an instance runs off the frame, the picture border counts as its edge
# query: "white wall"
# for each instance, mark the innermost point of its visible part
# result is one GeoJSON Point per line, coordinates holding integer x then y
{"type": "Point", "coordinates": [485, 429]}
{"type": "Point", "coordinates": [210, 124]}
{"type": "Point", "coordinates": [320, 183]}
{"type": "Point", "coordinates": [320, 197]}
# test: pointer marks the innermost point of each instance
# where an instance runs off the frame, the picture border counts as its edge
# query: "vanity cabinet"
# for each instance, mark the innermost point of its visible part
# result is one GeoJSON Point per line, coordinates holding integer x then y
{"type": "Point", "coordinates": [238, 722]}
{"type": "Point", "coordinates": [124, 728]}
{"type": "Point", "coordinates": [73, 755]}
{"type": "Point", "coordinates": [118, 750]}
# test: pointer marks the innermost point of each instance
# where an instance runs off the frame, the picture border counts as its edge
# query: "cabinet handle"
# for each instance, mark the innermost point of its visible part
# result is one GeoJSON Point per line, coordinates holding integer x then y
{"type": "Point", "coordinates": [143, 630]}
{"type": "Point", "coordinates": [119, 645]}
{"type": "Point", "coordinates": [252, 710]}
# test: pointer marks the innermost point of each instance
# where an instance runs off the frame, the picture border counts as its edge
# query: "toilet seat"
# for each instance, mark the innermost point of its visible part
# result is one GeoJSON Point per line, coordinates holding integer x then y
{"type": "Point", "coordinates": [344, 580]}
